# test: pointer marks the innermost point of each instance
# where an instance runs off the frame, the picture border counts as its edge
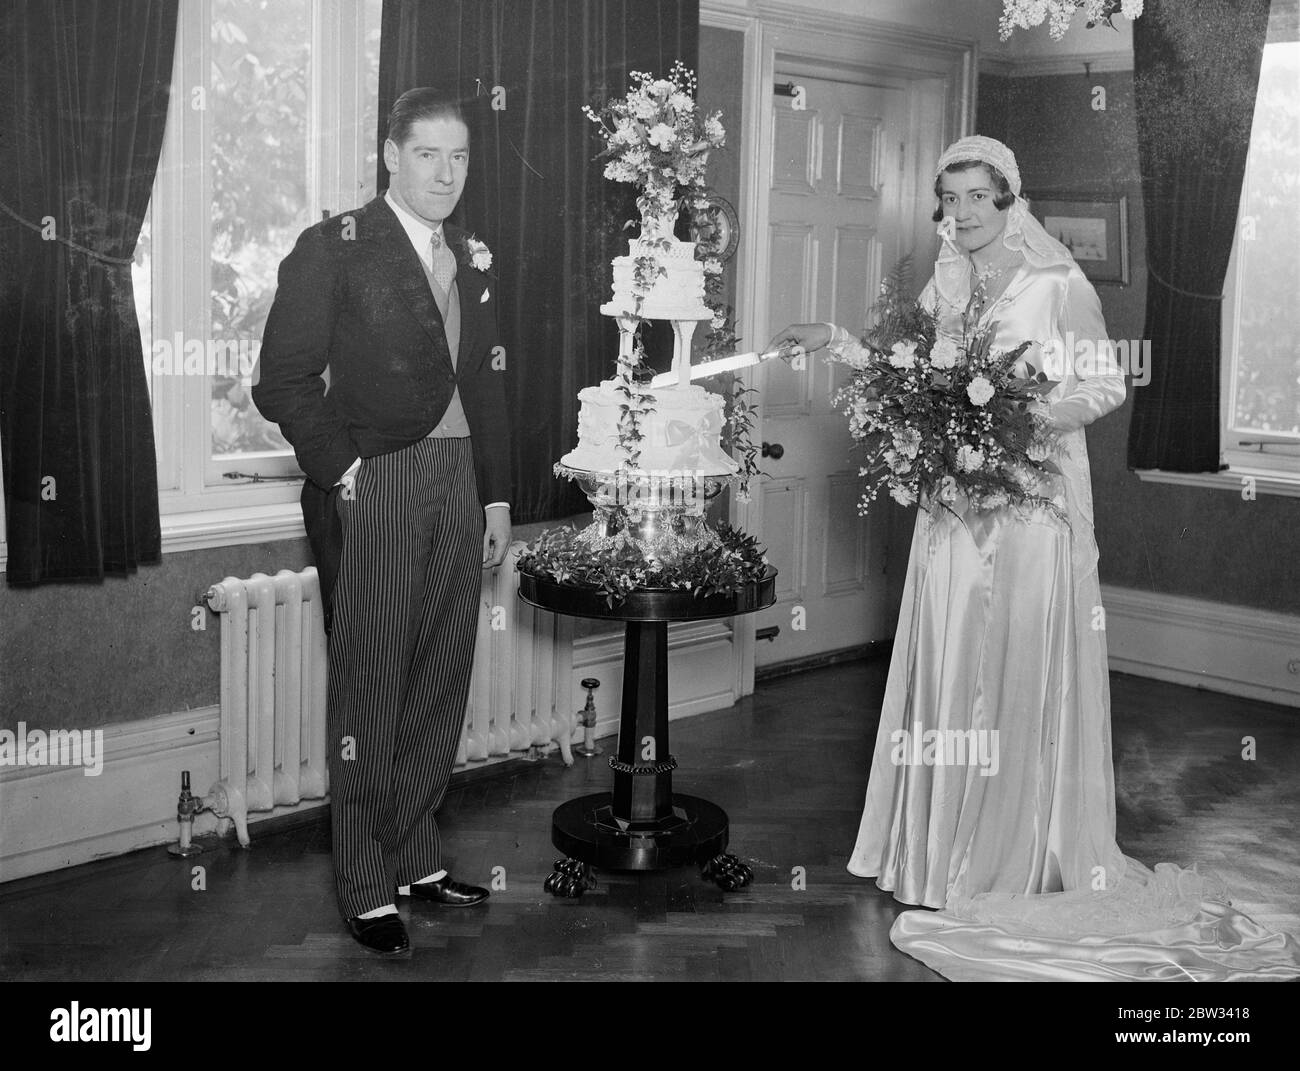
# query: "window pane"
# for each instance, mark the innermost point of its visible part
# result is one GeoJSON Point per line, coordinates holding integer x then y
{"type": "Point", "coordinates": [142, 279]}
{"type": "Point", "coordinates": [259, 108]}
{"type": "Point", "coordinates": [1266, 388]}
{"type": "Point", "coordinates": [142, 288]}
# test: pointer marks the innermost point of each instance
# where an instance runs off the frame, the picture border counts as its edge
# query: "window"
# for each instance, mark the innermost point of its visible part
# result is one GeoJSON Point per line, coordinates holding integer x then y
{"type": "Point", "coordinates": [271, 125]}
{"type": "Point", "coordinates": [1260, 403]}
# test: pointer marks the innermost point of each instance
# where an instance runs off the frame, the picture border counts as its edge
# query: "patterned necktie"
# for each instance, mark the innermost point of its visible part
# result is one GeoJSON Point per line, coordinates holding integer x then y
{"type": "Point", "coordinates": [444, 263]}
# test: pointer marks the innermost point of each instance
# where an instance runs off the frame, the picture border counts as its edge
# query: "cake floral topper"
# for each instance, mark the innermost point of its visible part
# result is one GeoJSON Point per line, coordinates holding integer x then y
{"type": "Point", "coordinates": [657, 139]}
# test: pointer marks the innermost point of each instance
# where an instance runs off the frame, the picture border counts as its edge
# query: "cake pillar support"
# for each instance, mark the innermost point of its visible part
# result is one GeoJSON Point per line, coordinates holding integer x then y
{"type": "Point", "coordinates": [683, 330]}
{"type": "Point", "coordinates": [627, 326]}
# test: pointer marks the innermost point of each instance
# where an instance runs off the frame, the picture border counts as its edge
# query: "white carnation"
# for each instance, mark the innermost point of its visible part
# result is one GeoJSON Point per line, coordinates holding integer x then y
{"type": "Point", "coordinates": [969, 458]}
{"type": "Point", "coordinates": [662, 136]}
{"type": "Point", "coordinates": [979, 391]}
{"type": "Point", "coordinates": [945, 353]}
{"type": "Point", "coordinates": [903, 355]}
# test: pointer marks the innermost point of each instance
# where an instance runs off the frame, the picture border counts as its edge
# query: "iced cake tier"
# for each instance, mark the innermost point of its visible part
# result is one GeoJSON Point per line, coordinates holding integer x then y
{"type": "Point", "coordinates": [681, 436]}
{"type": "Point", "coordinates": [676, 295]}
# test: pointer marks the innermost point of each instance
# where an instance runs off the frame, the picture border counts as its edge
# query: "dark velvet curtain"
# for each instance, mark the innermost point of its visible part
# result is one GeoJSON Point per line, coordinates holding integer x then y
{"type": "Point", "coordinates": [83, 99]}
{"type": "Point", "coordinates": [535, 193]}
{"type": "Point", "coordinates": [1196, 70]}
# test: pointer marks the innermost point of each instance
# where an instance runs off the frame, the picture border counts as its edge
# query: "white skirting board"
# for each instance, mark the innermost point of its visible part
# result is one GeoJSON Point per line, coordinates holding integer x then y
{"type": "Point", "coordinates": [56, 816]}
{"type": "Point", "coordinates": [1211, 645]}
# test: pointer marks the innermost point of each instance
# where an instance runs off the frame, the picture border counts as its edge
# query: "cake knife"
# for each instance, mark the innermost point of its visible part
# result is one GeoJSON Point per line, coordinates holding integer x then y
{"type": "Point", "coordinates": [712, 368]}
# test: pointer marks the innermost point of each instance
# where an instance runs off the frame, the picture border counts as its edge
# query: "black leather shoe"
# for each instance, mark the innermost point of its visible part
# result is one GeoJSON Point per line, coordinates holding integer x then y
{"type": "Point", "coordinates": [449, 893]}
{"type": "Point", "coordinates": [385, 935]}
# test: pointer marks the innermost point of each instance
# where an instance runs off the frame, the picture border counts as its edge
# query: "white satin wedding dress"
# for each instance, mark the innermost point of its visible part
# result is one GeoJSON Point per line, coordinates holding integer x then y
{"type": "Point", "coordinates": [1001, 631]}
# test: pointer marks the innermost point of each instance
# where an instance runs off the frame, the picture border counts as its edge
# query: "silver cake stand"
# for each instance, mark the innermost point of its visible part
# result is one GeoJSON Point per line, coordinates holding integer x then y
{"type": "Point", "coordinates": [662, 516]}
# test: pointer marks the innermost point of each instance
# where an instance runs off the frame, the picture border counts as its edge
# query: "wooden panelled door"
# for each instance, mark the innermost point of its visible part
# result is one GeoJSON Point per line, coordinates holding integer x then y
{"type": "Point", "coordinates": [838, 170]}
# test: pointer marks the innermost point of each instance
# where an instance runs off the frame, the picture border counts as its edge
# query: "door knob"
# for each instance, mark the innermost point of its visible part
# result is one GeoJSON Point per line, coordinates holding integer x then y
{"type": "Point", "coordinates": [773, 450]}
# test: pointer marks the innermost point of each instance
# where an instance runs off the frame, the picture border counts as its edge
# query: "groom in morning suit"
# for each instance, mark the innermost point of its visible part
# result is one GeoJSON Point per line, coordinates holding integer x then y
{"type": "Point", "coordinates": [406, 500]}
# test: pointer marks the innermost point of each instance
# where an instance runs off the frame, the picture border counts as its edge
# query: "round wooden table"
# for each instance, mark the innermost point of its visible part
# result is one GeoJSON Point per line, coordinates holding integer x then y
{"type": "Point", "coordinates": [642, 824]}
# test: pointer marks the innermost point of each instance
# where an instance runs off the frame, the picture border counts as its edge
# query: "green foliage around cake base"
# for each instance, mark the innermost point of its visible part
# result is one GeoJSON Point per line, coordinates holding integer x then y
{"type": "Point", "coordinates": [614, 571]}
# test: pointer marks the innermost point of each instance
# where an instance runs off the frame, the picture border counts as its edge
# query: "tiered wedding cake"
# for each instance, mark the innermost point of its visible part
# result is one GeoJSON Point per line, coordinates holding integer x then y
{"type": "Point", "coordinates": [649, 455]}
{"type": "Point", "coordinates": [680, 425]}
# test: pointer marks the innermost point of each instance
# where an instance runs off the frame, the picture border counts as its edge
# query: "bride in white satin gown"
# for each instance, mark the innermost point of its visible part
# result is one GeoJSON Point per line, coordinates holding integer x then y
{"type": "Point", "coordinates": [1001, 639]}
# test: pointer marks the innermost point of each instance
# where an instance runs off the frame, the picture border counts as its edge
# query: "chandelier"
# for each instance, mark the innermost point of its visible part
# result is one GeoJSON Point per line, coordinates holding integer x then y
{"type": "Point", "coordinates": [1058, 13]}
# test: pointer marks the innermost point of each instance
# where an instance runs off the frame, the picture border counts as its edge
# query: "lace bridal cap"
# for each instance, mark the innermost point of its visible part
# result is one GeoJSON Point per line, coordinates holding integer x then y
{"type": "Point", "coordinates": [1023, 233]}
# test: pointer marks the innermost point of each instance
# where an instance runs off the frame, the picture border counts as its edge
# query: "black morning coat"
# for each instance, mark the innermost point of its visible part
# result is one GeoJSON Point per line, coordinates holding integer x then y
{"type": "Point", "coordinates": [353, 296]}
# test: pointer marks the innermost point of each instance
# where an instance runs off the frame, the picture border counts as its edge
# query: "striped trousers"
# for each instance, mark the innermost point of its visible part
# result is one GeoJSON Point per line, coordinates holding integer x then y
{"type": "Point", "coordinates": [400, 657]}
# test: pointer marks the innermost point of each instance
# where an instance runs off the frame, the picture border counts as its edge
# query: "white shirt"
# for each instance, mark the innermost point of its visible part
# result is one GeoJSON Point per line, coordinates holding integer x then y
{"type": "Point", "coordinates": [417, 230]}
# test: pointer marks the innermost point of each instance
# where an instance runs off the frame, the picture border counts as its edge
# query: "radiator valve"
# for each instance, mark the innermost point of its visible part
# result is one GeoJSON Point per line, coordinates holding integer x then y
{"type": "Point", "coordinates": [186, 808]}
{"type": "Point", "coordinates": [587, 719]}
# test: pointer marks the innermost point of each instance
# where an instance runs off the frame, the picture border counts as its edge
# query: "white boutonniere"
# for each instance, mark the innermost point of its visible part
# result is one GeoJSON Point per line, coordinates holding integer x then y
{"type": "Point", "coordinates": [479, 254]}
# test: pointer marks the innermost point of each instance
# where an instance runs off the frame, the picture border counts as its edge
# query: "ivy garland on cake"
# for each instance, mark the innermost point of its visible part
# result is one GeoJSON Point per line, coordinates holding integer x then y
{"type": "Point", "coordinates": [722, 341]}
{"type": "Point", "coordinates": [737, 437]}
{"type": "Point", "coordinates": [636, 402]}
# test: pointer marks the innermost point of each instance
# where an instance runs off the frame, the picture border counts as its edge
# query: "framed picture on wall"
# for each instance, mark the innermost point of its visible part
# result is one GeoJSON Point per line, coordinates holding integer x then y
{"type": "Point", "coordinates": [1093, 229]}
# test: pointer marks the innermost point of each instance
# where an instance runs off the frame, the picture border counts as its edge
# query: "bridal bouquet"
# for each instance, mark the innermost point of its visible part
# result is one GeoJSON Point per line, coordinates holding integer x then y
{"type": "Point", "coordinates": [941, 418]}
{"type": "Point", "coordinates": [657, 139]}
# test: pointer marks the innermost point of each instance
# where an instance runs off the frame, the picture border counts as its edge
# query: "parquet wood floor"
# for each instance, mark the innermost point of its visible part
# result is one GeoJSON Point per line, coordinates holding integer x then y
{"type": "Point", "coordinates": [788, 764]}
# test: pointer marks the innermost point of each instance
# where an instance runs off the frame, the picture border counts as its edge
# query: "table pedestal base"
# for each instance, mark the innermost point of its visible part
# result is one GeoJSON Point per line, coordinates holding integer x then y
{"type": "Point", "coordinates": [587, 831]}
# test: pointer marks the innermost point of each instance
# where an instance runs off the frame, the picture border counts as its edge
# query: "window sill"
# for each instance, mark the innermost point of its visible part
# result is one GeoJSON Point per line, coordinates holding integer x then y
{"type": "Point", "coordinates": [267, 522]}
{"type": "Point", "coordinates": [1267, 481]}
{"type": "Point", "coordinates": [228, 527]}
{"type": "Point", "coordinates": [233, 526]}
